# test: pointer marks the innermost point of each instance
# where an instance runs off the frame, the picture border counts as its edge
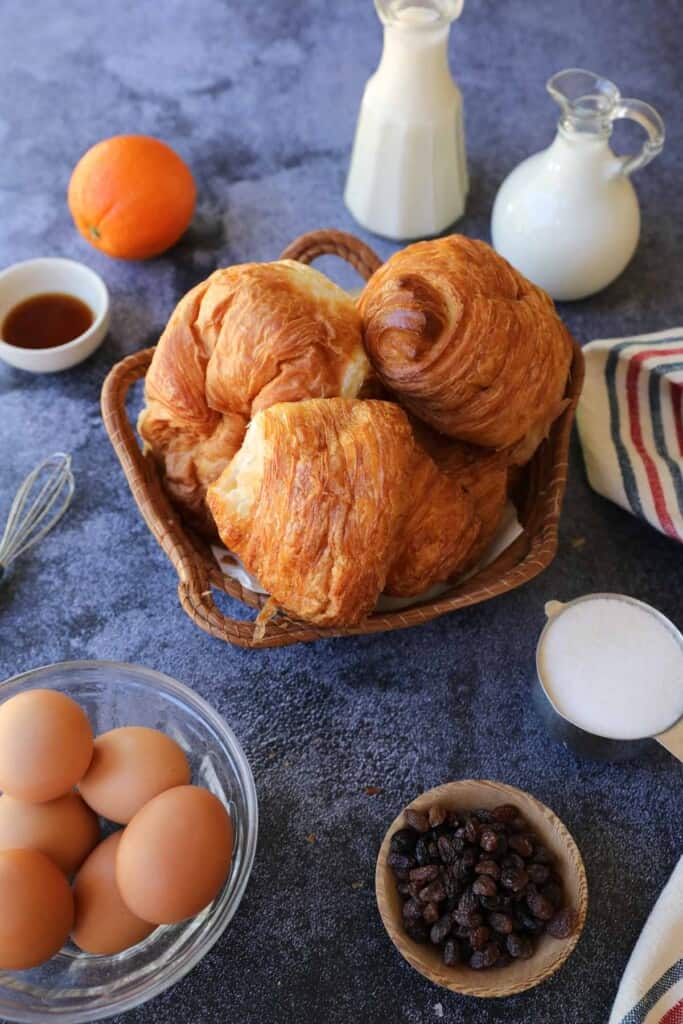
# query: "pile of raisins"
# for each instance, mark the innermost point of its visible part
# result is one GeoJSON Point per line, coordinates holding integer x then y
{"type": "Point", "coordinates": [478, 884]}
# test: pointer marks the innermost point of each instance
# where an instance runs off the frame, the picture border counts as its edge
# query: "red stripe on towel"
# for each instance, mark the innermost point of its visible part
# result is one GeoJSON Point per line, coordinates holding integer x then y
{"type": "Point", "coordinates": [674, 1015]}
{"type": "Point", "coordinates": [677, 402]}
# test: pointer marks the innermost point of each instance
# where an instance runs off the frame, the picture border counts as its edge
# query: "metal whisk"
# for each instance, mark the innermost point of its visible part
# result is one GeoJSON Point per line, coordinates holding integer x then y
{"type": "Point", "coordinates": [40, 503]}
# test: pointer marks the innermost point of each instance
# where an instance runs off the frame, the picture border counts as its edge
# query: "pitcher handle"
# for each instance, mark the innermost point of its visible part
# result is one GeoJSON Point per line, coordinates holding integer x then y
{"type": "Point", "coordinates": [648, 118]}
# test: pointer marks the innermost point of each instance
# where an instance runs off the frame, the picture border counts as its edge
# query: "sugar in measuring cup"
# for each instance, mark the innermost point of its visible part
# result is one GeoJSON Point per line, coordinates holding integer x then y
{"type": "Point", "coordinates": [610, 677]}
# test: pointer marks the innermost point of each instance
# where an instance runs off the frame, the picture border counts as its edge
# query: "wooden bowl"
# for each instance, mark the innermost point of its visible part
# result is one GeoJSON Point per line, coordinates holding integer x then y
{"type": "Point", "coordinates": [550, 953]}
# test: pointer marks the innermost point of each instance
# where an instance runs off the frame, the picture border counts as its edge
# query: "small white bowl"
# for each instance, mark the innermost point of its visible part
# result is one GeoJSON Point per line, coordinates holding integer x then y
{"type": "Point", "coordinates": [52, 274]}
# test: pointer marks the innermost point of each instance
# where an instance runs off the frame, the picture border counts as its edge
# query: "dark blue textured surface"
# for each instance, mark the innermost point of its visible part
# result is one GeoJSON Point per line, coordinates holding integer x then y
{"type": "Point", "coordinates": [261, 100]}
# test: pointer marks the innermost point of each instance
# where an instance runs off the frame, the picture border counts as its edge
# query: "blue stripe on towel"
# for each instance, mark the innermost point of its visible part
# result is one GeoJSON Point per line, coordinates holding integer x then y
{"type": "Point", "coordinates": [640, 1011]}
{"type": "Point", "coordinates": [628, 476]}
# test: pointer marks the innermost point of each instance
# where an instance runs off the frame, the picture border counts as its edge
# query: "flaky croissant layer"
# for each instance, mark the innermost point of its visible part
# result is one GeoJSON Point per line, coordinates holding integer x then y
{"type": "Point", "coordinates": [467, 343]}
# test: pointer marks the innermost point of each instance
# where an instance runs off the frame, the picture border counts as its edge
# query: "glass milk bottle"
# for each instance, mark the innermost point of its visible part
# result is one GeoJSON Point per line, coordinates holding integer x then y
{"type": "Point", "coordinates": [408, 172]}
{"type": "Point", "coordinates": [568, 217]}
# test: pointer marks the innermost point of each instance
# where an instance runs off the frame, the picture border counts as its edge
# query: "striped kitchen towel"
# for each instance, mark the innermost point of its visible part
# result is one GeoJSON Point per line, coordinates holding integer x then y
{"type": "Point", "coordinates": [630, 421]}
{"type": "Point", "coordinates": [651, 990]}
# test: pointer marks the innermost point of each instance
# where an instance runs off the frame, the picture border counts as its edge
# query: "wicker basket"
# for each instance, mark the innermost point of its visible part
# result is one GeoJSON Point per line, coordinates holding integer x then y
{"type": "Point", "coordinates": [538, 497]}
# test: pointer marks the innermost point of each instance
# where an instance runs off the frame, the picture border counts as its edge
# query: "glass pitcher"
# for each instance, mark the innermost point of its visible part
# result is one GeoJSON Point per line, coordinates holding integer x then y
{"type": "Point", "coordinates": [568, 217]}
{"type": "Point", "coordinates": [408, 173]}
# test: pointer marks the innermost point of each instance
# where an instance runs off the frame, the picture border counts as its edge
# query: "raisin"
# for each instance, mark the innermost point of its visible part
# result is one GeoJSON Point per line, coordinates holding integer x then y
{"type": "Point", "coordinates": [470, 857]}
{"type": "Point", "coordinates": [514, 878]}
{"type": "Point", "coordinates": [432, 893]}
{"type": "Point", "coordinates": [488, 840]}
{"type": "Point", "coordinates": [484, 815]}
{"type": "Point", "coordinates": [412, 910]}
{"type": "Point", "coordinates": [400, 862]}
{"type": "Point", "coordinates": [404, 841]}
{"type": "Point", "coordinates": [553, 892]}
{"type": "Point", "coordinates": [521, 845]}
{"type": "Point", "coordinates": [519, 946]}
{"type": "Point", "coordinates": [485, 957]}
{"type": "Point", "coordinates": [417, 931]}
{"type": "Point", "coordinates": [436, 816]}
{"type": "Point", "coordinates": [447, 850]}
{"type": "Point", "coordinates": [451, 886]}
{"type": "Point", "coordinates": [451, 953]}
{"type": "Point", "coordinates": [479, 937]}
{"type": "Point", "coordinates": [487, 867]}
{"type": "Point", "coordinates": [562, 924]}
{"type": "Point", "coordinates": [440, 930]}
{"type": "Point", "coordinates": [421, 852]}
{"type": "Point", "coordinates": [484, 885]}
{"type": "Point", "coordinates": [427, 873]}
{"type": "Point", "coordinates": [404, 888]}
{"type": "Point", "coordinates": [513, 860]}
{"type": "Point", "coordinates": [468, 901]}
{"type": "Point", "coordinates": [430, 914]}
{"type": "Point", "coordinates": [501, 923]}
{"type": "Point", "coordinates": [506, 813]}
{"type": "Point", "coordinates": [539, 905]}
{"type": "Point", "coordinates": [502, 847]}
{"type": "Point", "coordinates": [472, 830]}
{"type": "Point", "coordinates": [538, 873]}
{"type": "Point", "coordinates": [417, 820]}
{"type": "Point", "coordinates": [529, 923]}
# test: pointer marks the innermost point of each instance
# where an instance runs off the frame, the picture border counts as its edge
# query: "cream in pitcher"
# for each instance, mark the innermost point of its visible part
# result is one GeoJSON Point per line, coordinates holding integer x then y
{"type": "Point", "coordinates": [408, 172]}
{"type": "Point", "coordinates": [568, 217]}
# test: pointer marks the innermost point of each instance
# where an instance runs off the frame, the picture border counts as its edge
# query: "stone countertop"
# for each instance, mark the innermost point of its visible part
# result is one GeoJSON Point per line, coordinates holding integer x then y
{"type": "Point", "coordinates": [261, 100]}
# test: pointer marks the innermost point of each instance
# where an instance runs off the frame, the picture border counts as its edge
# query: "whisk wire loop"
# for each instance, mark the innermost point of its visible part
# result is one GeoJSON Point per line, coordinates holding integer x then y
{"type": "Point", "coordinates": [39, 504]}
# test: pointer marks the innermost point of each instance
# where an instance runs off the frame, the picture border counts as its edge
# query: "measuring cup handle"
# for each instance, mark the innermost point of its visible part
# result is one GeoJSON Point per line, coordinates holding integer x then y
{"type": "Point", "coordinates": [672, 740]}
{"type": "Point", "coordinates": [648, 118]}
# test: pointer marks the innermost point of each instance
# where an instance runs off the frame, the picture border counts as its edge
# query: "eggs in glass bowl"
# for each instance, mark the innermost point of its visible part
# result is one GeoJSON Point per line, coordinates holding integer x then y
{"type": "Point", "coordinates": [191, 794]}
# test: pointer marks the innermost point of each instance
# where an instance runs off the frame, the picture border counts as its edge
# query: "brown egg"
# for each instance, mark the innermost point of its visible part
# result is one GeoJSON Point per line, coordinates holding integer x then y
{"type": "Point", "coordinates": [37, 909]}
{"type": "Point", "coordinates": [103, 923]}
{"type": "Point", "coordinates": [175, 855]}
{"type": "Point", "coordinates": [130, 766]}
{"type": "Point", "coordinates": [65, 829]}
{"type": "Point", "coordinates": [45, 745]}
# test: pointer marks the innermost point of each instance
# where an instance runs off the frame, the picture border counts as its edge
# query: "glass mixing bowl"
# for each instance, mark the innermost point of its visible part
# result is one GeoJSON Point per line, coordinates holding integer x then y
{"type": "Point", "coordinates": [78, 987]}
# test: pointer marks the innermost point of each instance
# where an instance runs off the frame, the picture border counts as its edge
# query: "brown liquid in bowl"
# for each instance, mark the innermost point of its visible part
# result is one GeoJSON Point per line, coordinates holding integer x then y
{"type": "Point", "coordinates": [46, 321]}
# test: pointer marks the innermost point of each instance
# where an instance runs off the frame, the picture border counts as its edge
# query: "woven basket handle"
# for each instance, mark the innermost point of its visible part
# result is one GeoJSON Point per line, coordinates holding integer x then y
{"type": "Point", "coordinates": [329, 242]}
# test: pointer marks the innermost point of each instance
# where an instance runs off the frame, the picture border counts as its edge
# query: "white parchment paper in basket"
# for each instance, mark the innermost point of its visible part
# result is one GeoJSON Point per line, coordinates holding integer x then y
{"type": "Point", "coordinates": [510, 528]}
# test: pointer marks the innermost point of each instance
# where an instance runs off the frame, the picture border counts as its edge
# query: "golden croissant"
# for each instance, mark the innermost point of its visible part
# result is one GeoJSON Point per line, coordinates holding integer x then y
{"type": "Point", "coordinates": [330, 502]}
{"type": "Point", "coordinates": [467, 344]}
{"type": "Point", "coordinates": [247, 337]}
{"type": "Point", "coordinates": [314, 501]}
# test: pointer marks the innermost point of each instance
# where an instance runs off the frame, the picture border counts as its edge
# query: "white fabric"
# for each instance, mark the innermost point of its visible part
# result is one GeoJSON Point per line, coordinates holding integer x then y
{"type": "Point", "coordinates": [652, 983]}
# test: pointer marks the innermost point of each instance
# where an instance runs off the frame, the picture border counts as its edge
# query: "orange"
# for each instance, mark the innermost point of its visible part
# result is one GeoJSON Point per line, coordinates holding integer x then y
{"type": "Point", "coordinates": [131, 196]}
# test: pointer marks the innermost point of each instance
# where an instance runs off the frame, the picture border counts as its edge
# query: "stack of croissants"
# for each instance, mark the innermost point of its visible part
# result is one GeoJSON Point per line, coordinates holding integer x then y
{"type": "Point", "coordinates": [347, 448]}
